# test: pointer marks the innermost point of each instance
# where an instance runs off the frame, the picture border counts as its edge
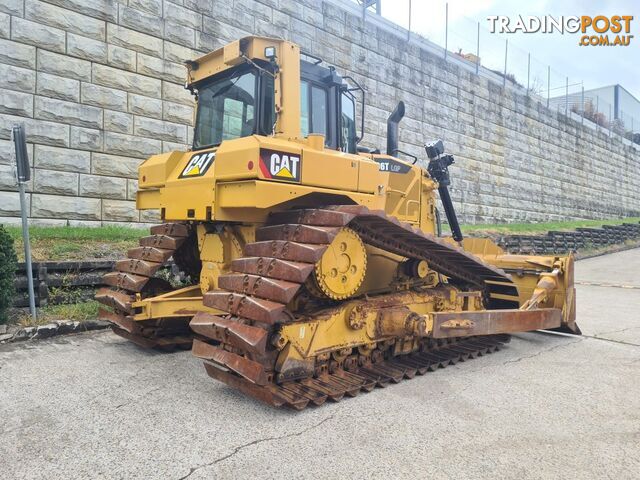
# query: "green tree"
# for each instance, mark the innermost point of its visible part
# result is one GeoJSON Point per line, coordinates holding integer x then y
{"type": "Point", "coordinates": [8, 261]}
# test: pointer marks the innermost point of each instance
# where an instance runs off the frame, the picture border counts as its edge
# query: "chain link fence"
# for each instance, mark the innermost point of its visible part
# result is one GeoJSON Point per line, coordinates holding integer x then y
{"type": "Point", "coordinates": [469, 43]}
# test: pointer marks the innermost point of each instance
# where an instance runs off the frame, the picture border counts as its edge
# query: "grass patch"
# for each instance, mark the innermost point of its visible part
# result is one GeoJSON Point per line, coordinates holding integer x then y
{"type": "Point", "coordinates": [541, 228]}
{"type": "Point", "coordinates": [76, 243]}
{"type": "Point", "coordinates": [110, 233]}
{"type": "Point", "coordinates": [81, 311]}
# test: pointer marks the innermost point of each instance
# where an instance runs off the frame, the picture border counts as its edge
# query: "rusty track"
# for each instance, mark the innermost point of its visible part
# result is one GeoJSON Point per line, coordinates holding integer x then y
{"type": "Point", "coordinates": [316, 391]}
{"type": "Point", "coordinates": [134, 279]}
{"type": "Point", "coordinates": [257, 292]}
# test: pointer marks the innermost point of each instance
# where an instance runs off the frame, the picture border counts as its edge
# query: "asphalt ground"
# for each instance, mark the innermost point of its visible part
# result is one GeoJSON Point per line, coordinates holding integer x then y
{"type": "Point", "coordinates": [546, 406]}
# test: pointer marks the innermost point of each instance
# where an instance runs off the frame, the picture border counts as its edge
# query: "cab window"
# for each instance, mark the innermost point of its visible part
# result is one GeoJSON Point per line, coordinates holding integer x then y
{"type": "Point", "coordinates": [237, 119]}
{"type": "Point", "coordinates": [348, 124]}
{"type": "Point", "coordinates": [268, 115]}
{"type": "Point", "coordinates": [225, 109]}
{"type": "Point", "coordinates": [313, 109]}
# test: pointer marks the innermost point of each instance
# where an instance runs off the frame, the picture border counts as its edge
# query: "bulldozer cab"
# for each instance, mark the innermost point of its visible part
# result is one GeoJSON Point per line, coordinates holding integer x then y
{"type": "Point", "coordinates": [247, 97]}
{"type": "Point", "coordinates": [275, 128]}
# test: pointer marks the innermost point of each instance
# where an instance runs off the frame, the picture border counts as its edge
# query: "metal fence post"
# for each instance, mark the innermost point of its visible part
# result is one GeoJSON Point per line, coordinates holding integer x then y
{"type": "Point", "coordinates": [506, 50]}
{"type": "Point", "coordinates": [23, 175]}
{"type": "Point", "coordinates": [446, 29]}
{"type": "Point", "coordinates": [548, 84]}
{"type": "Point", "coordinates": [478, 51]}
{"type": "Point", "coordinates": [596, 114]}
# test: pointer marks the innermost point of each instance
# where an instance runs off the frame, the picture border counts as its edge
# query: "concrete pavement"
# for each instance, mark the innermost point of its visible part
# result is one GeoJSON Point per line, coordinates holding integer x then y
{"type": "Point", "coordinates": [547, 406]}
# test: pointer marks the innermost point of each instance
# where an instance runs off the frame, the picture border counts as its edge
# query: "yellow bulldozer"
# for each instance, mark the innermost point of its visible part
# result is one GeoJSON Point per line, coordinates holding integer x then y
{"type": "Point", "coordinates": [317, 266]}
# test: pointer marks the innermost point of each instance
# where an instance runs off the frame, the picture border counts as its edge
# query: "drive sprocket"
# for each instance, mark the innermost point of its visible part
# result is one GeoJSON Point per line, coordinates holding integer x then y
{"type": "Point", "coordinates": [343, 266]}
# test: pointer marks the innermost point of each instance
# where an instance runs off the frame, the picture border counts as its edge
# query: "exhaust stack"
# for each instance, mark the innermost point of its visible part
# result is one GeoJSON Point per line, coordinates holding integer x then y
{"type": "Point", "coordinates": [392, 128]}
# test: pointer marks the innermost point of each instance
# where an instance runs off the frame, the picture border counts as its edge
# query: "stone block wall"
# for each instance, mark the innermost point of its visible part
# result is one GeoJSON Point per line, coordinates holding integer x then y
{"type": "Point", "coordinates": [98, 85]}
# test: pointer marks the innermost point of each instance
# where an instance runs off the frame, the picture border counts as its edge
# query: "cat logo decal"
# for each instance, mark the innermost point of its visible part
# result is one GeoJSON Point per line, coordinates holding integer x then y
{"type": "Point", "coordinates": [280, 165]}
{"type": "Point", "coordinates": [198, 165]}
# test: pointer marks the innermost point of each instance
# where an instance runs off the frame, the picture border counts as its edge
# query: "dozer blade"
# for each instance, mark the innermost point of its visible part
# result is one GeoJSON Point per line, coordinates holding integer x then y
{"type": "Point", "coordinates": [547, 280]}
{"type": "Point", "coordinates": [570, 329]}
{"type": "Point", "coordinates": [252, 371]}
{"type": "Point", "coordinates": [276, 290]}
{"type": "Point", "coordinates": [243, 305]}
{"type": "Point", "coordinates": [569, 324]}
{"type": "Point", "coordinates": [245, 337]}
{"type": "Point", "coordinates": [297, 252]}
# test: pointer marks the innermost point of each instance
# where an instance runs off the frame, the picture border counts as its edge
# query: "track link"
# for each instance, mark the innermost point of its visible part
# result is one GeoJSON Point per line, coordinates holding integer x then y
{"type": "Point", "coordinates": [316, 391]}
{"type": "Point", "coordinates": [261, 285]}
{"type": "Point", "coordinates": [134, 279]}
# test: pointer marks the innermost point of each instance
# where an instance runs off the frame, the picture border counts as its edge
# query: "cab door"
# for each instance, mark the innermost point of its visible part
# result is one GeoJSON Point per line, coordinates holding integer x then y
{"type": "Point", "coordinates": [328, 168]}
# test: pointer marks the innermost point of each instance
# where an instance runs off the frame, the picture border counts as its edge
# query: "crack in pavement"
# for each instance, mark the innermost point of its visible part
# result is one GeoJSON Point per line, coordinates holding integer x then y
{"type": "Point", "coordinates": [545, 350]}
{"type": "Point", "coordinates": [599, 335]}
{"type": "Point", "coordinates": [540, 352]}
{"type": "Point", "coordinates": [622, 342]}
{"type": "Point", "coordinates": [524, 357]}
{"type": "Point", "coordinates": [607, 284]}
{"type": "Point", "coordinates": [254, 442]}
